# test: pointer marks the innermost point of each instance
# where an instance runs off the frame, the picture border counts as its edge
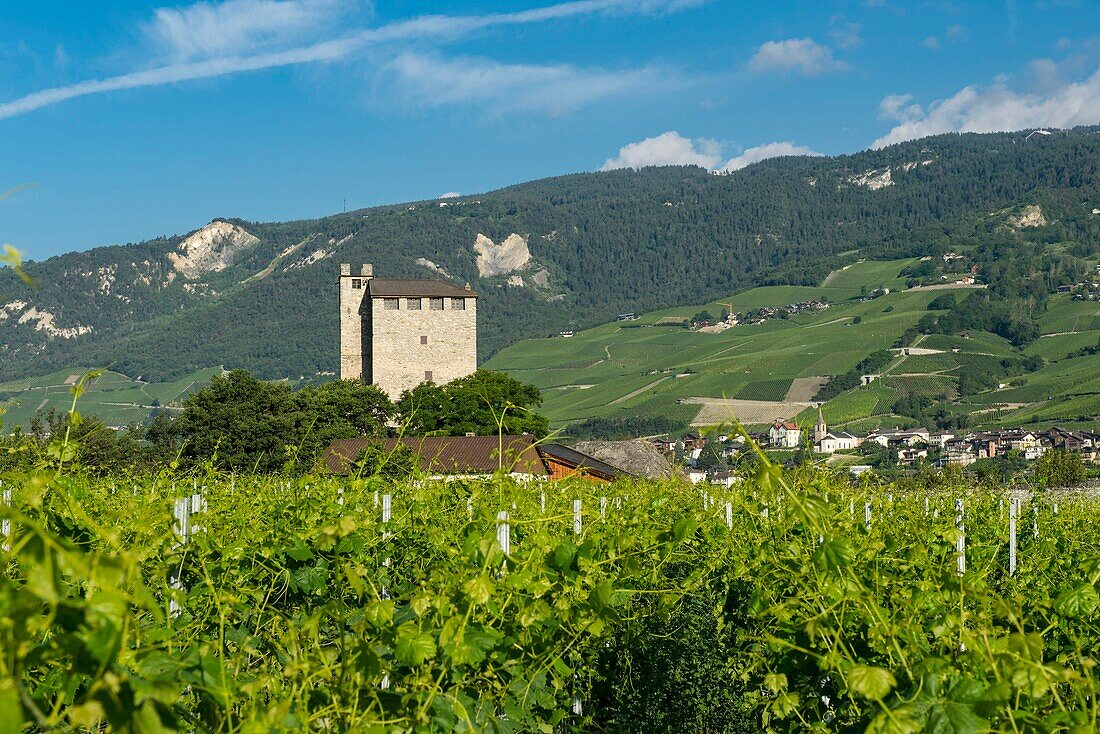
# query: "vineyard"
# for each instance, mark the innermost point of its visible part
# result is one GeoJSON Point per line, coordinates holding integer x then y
{"type": "Point", "coordinates": [792, 602]}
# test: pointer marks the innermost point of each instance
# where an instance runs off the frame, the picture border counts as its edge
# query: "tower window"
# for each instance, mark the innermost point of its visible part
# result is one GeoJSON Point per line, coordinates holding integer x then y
{"type": "Point", "coordinates": [427, 375]}
{"type": "Point", "coordinates": [412, 304]}
{"type": "Point", "coordinates": [357, 283]}
{"type": "Point", "coordinates": [391, 304]}
{"type": "Point", "coordinates": [458, 304]}
{"type": "Point", "coordinates": [423, 339]}
{"type": "Point", "coordinates": [436, 304]}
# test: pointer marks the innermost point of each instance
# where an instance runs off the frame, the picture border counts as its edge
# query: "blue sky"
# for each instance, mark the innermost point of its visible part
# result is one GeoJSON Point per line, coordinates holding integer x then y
{"type": "Point", "coordinates": [134, 119]}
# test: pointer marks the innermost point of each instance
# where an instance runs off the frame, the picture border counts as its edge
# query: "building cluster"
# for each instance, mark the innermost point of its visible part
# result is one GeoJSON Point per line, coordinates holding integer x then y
{"type": "Point", "coordinates": [762, 314]}
{"type": "Point", "coordinates": [908, 445]}
{"type": "Point", "coordinates": [1086, 290]}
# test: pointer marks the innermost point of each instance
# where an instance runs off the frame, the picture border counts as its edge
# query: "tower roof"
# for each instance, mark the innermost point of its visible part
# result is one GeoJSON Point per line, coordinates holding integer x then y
{"type": "Point", "coordinates": [391, 287]}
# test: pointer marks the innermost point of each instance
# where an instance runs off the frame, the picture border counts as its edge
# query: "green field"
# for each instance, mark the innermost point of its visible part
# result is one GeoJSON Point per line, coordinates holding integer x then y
{"type": "Point", "coordinates": [114, 398]}
{"type": "Point", "coordinates": [647, 367]}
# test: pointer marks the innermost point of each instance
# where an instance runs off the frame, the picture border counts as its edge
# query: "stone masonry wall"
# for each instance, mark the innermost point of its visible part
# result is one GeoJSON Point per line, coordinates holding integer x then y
{"type": "Point", "coordinates": [400, 360]}
{"type": "Point", "coordinates": [351, 328]}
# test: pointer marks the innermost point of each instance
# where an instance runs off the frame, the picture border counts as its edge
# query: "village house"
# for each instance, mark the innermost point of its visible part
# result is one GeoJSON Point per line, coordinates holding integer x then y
{"type": "Point", "coordinates": [899, 436]}
{"type": "Point", "coordinates": [785, 435]}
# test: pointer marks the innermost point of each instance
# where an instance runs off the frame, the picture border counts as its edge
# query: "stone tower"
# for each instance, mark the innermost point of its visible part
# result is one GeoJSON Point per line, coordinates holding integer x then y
{"type": "Point", "coordinates": [399, 333]}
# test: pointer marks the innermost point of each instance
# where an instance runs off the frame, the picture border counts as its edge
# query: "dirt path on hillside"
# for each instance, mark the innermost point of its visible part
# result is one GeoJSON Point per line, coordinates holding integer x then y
{"type": "Point", "coordinates": [639, 391]}
{"type": "Point", "coordinates": [832, 276]}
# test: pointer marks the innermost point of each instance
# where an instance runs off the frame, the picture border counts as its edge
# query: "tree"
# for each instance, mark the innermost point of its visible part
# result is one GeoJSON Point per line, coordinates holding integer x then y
{"type": "Point", "coordinates": [238, 422]}
{"type": "Point", "coordinates": [483, 403]}
{"type": "Point", "coordinates": [339, 409]}
{"type": "Point", "coordinates": [1059, 468]}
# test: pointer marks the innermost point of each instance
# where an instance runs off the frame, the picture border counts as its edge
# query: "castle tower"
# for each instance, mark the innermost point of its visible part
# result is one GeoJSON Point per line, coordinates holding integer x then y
{"type": "Point", "coordinates": [353, 361]}
{"type": "Point", "coordinates": [399, 333]}
{"type": "Point", "coordinates": [820, 430]}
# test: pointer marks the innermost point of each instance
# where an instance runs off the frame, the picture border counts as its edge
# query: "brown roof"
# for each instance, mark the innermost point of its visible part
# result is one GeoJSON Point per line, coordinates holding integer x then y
{"type": "Point", "coordinates": [448, 454]}
{"type": "Point", "coordinates": [579, 460]}
{"type": "Point", "coordinates": [386, 287]}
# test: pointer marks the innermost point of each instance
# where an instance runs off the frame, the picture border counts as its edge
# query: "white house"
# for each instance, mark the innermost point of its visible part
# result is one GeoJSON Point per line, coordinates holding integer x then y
{"type": "Point", "coordinates": [785, 435]}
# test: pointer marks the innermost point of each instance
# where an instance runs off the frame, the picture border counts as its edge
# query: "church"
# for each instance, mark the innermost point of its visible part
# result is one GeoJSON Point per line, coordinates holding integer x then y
{"type": "Point", "coordinates": [398, 333]}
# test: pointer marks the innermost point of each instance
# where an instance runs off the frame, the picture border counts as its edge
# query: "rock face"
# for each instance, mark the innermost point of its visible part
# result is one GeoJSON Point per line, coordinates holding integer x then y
{"type": "Point", "coordinates": [493, 259]}
{"type": "Point", "coordinates": [637, 458]}
{"type": "Point", "coordinates": [212, 249]}
{"type": "Point", "coordinates": [874, 179]}
{"type": "Point", "coordinates": [1030, 216]}
{"type": "Point", "coordinates": [437, 269]}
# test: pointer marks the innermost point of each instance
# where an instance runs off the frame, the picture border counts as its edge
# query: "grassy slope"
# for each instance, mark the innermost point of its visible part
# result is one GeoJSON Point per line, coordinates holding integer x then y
{"type": "Point", "coordinates": [115, 398]}
{"type": "Point", "coordinates": [753, 362]}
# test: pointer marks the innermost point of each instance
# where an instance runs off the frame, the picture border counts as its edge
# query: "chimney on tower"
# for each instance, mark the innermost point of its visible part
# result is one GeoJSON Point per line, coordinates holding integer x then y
{"type": "Point", "coordinates": [368, 271]}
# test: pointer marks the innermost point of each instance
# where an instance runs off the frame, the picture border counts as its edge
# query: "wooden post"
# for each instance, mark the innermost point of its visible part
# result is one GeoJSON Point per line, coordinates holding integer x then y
{"type": "Point", "coordinates": [504, 532]}
{"type": "Point", "coordinates": [1012, 537]}
{"type": "Point", "coordinates": [5, 524]}
{"type": "Point", "coordinates": [577, 524]}
{"type": "Point", "coordinates": [182, 513]}
{"type": "Point", "coordinates": [867, 515]}
{"type": "Point", "coordinates": [729, 516]}
{"type": "Point", "coordinates": [603, 509]}
{"type": "Point", "coordinates": [960, 543]}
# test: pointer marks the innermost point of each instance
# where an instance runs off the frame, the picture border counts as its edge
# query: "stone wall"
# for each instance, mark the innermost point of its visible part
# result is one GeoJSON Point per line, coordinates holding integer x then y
{"type": "Point", "coordinates": [408, 344]}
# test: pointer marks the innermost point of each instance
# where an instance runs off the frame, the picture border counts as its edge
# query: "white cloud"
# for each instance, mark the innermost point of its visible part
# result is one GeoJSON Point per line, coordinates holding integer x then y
{"type": "Point", "coordinates": [667, 149]}
{"type": "Point", "coordinates": [801, 55]}
{"type": "Point", "coordinates": [932, 42]}
{"type": "Point", "coordinates": [429, 27]}
{"type": "Point", "coordinates": [449, 195]}
{"type": "Point", "coordinates": [428, 80]}
{"type": "Point", "coordinates": [845, 34]}
{"type": "Point", "coordinates": [994, 108]}
{"type": "Point", "coordinates": [209, 29]}
{"type": "Point", "coordinates": [763, 152]}
{"type": "Point", "coordinates": [672, 149]}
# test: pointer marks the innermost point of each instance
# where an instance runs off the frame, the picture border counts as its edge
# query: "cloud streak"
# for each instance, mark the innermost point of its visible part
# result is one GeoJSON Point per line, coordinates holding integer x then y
{"type": "Point", "coordinates": [427, 80]}
{"type": "Point", "coordinates": [429, 27]}
{"type": "Point", "coordinates": [206, 30]}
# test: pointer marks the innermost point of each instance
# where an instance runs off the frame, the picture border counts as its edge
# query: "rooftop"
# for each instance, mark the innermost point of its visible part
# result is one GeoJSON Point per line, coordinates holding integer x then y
{"type": "Point", "coordinates": [459, 455]}
{"type": "Point", "coordinates": [396, 287]}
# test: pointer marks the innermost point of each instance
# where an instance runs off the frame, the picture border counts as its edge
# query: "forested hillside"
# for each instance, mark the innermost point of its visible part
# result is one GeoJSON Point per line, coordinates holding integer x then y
{"type": "Point", "coordinates": [263, 296]}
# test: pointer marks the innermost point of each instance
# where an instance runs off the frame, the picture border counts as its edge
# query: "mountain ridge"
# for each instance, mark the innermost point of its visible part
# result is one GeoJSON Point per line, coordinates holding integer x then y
{"type": "Point", "coordinates": [598, 244]}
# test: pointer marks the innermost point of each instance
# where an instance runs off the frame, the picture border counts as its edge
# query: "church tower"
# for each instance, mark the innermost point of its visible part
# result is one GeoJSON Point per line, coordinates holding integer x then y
{"type": "Point", "coordinates": [820, 430]}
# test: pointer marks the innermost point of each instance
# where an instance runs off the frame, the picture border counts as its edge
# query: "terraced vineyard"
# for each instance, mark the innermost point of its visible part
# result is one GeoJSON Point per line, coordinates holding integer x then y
{"type": "Point", "coordinates": [755, 362]}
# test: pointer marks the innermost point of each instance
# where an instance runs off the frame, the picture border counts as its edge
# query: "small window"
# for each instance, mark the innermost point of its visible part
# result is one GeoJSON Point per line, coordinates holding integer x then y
{"type": "Point", "coordinates": [412, 304]}
{"type": "Point", "coordinates": [458, 304]}
{"type": "Point", "coordinates": [436, 304]}
{"type": "Point", "coordinates": [423, 339]}
{"type": "Point", "coordinates": [357, 283]}
{"type": "Point", "coordinates": [391, 304]}
{"type": "Point", "coordinates": [427, 375]}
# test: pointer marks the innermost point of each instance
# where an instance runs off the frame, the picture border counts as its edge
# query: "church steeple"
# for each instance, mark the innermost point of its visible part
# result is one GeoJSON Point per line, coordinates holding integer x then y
{"type": "Point", "coordinates": [820, 430]}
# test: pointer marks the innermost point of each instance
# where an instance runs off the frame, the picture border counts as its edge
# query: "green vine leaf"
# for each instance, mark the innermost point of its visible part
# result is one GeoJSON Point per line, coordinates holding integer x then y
{"type": "Point", "coordinates": [871, 682]}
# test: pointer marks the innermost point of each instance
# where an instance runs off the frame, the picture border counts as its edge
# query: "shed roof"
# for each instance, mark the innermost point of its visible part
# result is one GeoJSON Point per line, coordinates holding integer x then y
{"type": "Point", "coordinates": [579, 460]}
{"type": "Point", "coordinates": [395, 287]}
{"type": "Point", "coordinates": [448, 454]}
